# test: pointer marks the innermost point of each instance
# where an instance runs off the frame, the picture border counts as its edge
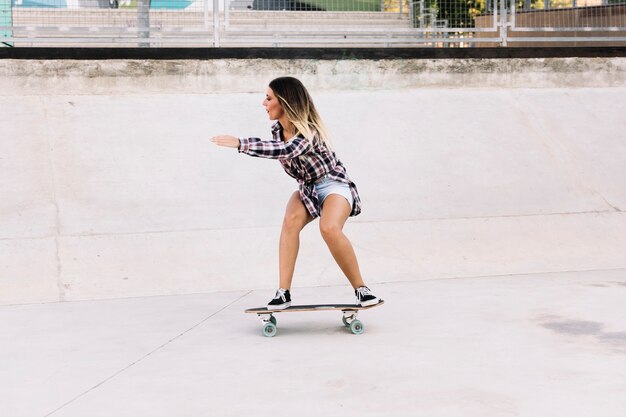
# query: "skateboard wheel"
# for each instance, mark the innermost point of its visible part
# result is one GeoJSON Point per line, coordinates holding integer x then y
{"type": "Point", "coordinates": [357, 327]}
{"type": "Point", "coordinates": [345, 322]}
{"type": "Point", "coordinates": [273, 320]}
{"type": "Point", "coordinates": [269, 330]}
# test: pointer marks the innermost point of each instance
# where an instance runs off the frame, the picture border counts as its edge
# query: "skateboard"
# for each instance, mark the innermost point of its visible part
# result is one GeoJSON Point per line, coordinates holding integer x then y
{"type": "Point", "coordinates": [350, 312]}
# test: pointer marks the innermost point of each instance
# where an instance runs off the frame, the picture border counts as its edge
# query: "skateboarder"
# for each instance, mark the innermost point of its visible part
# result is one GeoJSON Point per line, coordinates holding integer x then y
{"type": "Point", "coordinates": [301, 145]}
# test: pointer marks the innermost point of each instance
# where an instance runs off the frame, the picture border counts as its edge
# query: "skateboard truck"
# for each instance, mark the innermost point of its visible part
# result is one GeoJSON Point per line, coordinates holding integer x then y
{"type": "Point", "coordinates": [349, 316]}
{"type": "Point", "coordinates": [269, 324]}
{"type": "Point", "coordinates": [349, 320]}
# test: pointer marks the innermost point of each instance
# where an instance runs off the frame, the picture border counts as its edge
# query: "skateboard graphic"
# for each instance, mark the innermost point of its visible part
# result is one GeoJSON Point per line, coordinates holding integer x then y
{"type": "Point", "coordinates": [350, 312]}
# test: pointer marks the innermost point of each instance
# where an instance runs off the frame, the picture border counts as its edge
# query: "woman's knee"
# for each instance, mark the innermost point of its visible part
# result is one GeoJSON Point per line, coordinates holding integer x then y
{"type": "Point", "coordinates": [296, 215]}
{"type": "Point", "coordinates": [294, 221]}
{"type": "Point", "coordinates": [330, 230]}
{"type": "Point", "coordinates": [296, 218]}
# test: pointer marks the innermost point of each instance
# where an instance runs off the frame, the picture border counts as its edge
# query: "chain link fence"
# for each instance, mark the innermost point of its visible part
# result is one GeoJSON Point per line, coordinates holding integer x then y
{"type": "Point", "coordinates": [461, 23]}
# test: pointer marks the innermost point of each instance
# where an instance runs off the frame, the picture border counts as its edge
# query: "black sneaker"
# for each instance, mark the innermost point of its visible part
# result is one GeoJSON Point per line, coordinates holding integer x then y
{"type": "Point", "coordinates": [364, 297]}
{"type": "Point", "coordinates": [281, 301]}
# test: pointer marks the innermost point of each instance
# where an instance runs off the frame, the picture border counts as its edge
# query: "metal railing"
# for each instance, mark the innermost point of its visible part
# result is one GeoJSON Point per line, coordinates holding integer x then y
{"type": "Point", "coordinates": [568, 15]}
{"type": "Point", "coordinates": [566, 21]}
{"type": "Point", "coordinates": [154, 23]}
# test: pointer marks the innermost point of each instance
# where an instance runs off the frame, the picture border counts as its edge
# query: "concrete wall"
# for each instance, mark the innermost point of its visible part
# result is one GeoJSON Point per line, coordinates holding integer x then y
{"type": "Point", "coordinates": [246, 75]}
{"type": "Point", "coordinates": [110, 188]}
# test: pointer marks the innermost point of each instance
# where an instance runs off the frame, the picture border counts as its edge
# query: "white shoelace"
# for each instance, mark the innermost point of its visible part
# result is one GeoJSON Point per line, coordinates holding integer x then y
{"type": "Point", "coordinates": [363, 291]}
{"type": "Point", "coordinates": [280, 294]}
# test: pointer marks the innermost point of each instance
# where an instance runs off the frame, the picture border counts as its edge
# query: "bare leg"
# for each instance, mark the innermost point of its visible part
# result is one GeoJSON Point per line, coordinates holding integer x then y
{"type": "Point", "coordinates": [296, 217]}
{"type": "Point", "coordinates": [335, 212]}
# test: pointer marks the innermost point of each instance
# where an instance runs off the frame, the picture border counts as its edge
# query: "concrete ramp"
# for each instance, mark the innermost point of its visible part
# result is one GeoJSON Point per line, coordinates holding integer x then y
{"type": "Point", "coordinates": [111, 194]}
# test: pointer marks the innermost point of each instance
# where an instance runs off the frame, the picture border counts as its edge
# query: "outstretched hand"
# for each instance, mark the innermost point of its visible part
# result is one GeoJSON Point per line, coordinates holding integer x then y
{"type": "Point", "coordinates": [226, 141]}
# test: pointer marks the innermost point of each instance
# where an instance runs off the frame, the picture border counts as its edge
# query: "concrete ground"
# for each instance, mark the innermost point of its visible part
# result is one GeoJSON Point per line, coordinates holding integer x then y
{"type": "Point", "coordinates": [525, 345]}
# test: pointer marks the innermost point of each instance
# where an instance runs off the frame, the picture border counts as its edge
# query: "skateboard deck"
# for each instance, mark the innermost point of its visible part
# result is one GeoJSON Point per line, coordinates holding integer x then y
{"type": "Point", "coordinates": [350, 312]}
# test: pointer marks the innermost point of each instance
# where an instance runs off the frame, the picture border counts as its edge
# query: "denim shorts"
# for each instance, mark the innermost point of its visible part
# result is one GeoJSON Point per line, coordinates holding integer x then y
{"type": "Point", "coordinates": [326, 186]}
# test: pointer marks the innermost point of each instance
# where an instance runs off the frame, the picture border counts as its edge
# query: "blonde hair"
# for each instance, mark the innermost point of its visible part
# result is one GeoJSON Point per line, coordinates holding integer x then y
{"type": "Point", "coordinates": [299, 108]}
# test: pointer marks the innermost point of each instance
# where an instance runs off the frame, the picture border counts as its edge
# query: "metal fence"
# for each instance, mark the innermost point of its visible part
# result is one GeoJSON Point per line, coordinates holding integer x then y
{"type": "Point", "coordinates": [155, 23]}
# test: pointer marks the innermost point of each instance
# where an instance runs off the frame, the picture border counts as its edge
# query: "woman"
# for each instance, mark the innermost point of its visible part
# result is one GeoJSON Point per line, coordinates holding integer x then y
{"type": "Point", "coordinates": [301, 145]}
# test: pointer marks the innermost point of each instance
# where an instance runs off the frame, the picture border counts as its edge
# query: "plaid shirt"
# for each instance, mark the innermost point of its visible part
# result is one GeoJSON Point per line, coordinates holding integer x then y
{"type": "Point", "coordinates": [306, 161]}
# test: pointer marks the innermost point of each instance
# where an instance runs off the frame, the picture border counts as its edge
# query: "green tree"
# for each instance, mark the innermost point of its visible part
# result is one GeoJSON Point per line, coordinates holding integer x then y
{"type": "Point", "coordinates": [451, 13]}
{"type": "Point", "coordinates": [460, 13]}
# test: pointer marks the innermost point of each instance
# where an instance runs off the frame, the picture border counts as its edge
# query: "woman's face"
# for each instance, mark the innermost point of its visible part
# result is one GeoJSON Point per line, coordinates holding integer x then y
{"type": "Point", "coordinates": [272, 106]}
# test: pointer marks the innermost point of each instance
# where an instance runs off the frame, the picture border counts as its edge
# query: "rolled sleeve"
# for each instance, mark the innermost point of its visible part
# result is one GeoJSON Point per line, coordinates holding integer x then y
{"type": "Point", "coordinates": [274, 149]}
{"type": "Point", "coordinates": [244, 145]}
